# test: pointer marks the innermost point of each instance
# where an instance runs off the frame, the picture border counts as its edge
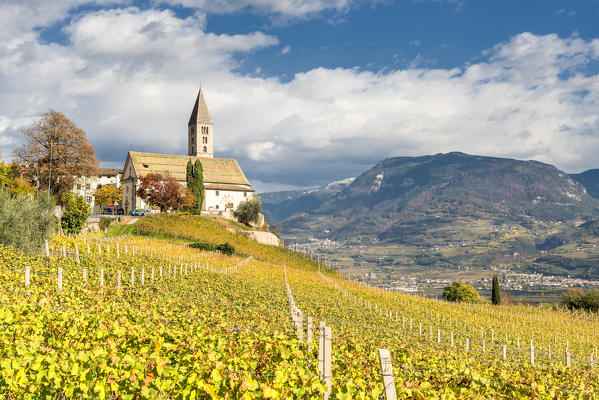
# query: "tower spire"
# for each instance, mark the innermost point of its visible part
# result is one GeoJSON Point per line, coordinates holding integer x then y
{"type": "Point", "coordinates": [200, 129]}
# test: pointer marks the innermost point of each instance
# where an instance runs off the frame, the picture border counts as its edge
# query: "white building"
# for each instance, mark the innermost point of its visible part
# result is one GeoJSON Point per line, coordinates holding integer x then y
{"type": "Point", "coordinates": [85, 186]}
{"type": "Point", "coordinates": [225, 184]}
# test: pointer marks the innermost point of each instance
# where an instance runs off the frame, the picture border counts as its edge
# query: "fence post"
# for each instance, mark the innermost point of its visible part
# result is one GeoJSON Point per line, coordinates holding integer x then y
{"type": "Point", "coordinates": [27, 273]}
{"type": "Point", "coordinates": [59, 279]}
{"type": "Point", "coordinates": [387, 373]}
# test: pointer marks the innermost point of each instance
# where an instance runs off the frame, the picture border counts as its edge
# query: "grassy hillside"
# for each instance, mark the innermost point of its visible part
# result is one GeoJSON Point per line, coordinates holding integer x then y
{"type": "Point", "coordinates": [205, 325]}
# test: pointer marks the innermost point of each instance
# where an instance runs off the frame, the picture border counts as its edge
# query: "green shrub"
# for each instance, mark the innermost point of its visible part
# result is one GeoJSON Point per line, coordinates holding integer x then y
{"type": "Point", "coordinates": [248, 211]}
{"type": "Point", "coordinates": [25, 223]}
{"type": "Point", "coordinates": [461, 292]}
{"type": "Point", "coordinates": [75, 214]}
{"type": "Point", "coordinates": [105, 223]}
{"type": "Point", "coordinates": [226, 248]}
{"type": "Point", "coordinates": [579, 299]}
{"type": "Point", "coordinates": [206, 246]}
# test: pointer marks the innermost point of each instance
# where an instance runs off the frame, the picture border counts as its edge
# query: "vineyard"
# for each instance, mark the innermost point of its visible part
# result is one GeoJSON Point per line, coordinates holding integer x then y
{"type": "Point", "coordinates": [151, 316]}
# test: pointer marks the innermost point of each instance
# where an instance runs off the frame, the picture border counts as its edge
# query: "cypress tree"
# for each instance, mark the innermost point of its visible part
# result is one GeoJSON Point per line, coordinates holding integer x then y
{"type": "Point", "coordinates": [198, 177]}
{"type": "Point", "coordinates": [195, 182]}
{"type": "Point", "coordinates": [495, 293]}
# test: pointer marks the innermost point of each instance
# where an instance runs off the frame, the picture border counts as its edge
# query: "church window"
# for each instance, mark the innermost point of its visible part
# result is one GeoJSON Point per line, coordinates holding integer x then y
{"type": "Point", "coordinates": [245, 194]}
{"type": "Point", "coordinates": [204, 149]}
{"type": "Point", "coordinates": [216, 207]}
{"type": "Point", "coordinates": [193, 140]}
{"type": "Point", "coordinates": [217, 192]}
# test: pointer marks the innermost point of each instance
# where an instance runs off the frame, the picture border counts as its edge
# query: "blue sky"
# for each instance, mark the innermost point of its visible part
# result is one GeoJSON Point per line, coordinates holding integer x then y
{"type": "Point", "coordinates": [304, 92]}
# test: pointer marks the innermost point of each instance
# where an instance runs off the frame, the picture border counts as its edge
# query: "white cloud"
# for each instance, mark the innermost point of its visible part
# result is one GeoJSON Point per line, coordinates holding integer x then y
{"type": "Point", "coordinates": [129, 77]}
{"type": "Point", "coordinates": [286, 50]}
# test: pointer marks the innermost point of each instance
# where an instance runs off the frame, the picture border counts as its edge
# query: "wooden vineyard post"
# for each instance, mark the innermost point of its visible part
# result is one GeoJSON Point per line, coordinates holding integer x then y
{"type": "Point", "coordinates": [84, 273]}
{"type": "Point", "coordinates": [118, 280]}
{"type": "Point", "coordinates": [309, 332]}
{"type": "Point", "coordinates": [102, 280]}
{"type": "Point", "coordinates": [47, 248]}
{"type": "Point", "coordinates": [321, 350]}
{"type": "Point", "coordinates": [328, 339]}
{"type": "Point", "coordinates": [299, 324]}
{"type": "Point", "coordinates": [59, 279]}
{"type": "Point", "coordinates": [27, 274]}
{"type": "Point", "coordinates": [387, 373]}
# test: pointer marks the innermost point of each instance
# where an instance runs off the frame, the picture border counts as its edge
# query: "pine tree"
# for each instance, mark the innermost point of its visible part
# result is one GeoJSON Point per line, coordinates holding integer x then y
{"type": "Point", "coordinates": [495, 293]}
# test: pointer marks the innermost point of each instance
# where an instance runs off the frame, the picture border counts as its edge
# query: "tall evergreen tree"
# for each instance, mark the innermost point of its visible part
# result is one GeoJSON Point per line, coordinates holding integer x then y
{"type": "Point", "coordinates": [195, 183]}
{"type": "Point", "coordinates": [495, 293]}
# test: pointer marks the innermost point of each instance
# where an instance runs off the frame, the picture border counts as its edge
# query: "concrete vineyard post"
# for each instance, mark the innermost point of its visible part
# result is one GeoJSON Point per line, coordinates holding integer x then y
{"type": "Point", "coordinates": [161, 271]}
{"type": "Point", "coordinates": [532, 353]}
{"type": "Point", "coordinates": [77, 252]}
{"type": "Point", "coordinates": [102, 280]}
{"type": "Point", "coordinates": [467, 344]}
{"type": "Point", "coordinates": [299, 325]}
{"type": "Point", "coordinates": [27, 274]}
{"type": "Point", "coordinates": [118, 280]}
{"type": "Point", "coordinates": [504, 347]}
{"type": "Point", "coordinates": [387, 373]}
{"type": "Point", "coordinates": [143, 270]}
{"type": "Point", "coordinates": [84, 273]}
{"type": "Point", "coordinates": [132, 276]}
{"type": "Point", "coordinates": [152, 274]}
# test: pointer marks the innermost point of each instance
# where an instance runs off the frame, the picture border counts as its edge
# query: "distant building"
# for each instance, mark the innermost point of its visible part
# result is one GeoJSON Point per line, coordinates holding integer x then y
{"type": "Point", "coordinates": [85, 186]}
{"type": "Point", "coordinates": [225, 184]}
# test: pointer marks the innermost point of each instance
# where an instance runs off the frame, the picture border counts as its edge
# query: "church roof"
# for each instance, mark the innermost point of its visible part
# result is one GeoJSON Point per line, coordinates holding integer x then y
{"type": "Point", "coordinates": [200, 111]}
{"type": "Point", "coordinates": [216, 170]}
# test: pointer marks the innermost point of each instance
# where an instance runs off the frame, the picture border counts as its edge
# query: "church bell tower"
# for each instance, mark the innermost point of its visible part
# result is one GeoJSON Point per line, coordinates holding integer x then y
{"type": "Point", "coordinates": [200, 130]}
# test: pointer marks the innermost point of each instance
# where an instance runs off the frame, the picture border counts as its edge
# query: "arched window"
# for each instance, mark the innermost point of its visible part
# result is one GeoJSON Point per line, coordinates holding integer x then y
{"type": "Point", "coordinates": [204, 149]}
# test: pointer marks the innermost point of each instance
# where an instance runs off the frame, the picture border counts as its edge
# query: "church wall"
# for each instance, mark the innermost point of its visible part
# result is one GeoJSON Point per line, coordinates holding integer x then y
{"type": "Point", "coordinates": [224, 199]}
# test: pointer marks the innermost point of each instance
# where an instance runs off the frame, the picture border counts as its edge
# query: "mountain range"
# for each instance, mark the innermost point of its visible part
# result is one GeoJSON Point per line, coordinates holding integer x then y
{"type": "Point", "coordinates": [444, 200]}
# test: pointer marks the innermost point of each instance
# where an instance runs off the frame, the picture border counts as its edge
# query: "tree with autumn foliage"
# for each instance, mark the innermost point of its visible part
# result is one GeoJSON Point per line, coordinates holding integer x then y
{"type": "Point", "coordinates": [57, 152]}
{"type": "Point", "coordinates": [161, 191]}
{"type": "Point", "coordinates": [108, 195]}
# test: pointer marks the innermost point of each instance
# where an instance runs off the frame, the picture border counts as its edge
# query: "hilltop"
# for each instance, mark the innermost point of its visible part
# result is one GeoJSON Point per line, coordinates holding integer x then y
{"type": "Point", "coordinates": [443, 210]}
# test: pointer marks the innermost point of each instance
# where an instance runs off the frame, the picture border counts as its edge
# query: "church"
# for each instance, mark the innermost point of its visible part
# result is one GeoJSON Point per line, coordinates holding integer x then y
{"type": "Point", "coordinates": [225, 184]}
